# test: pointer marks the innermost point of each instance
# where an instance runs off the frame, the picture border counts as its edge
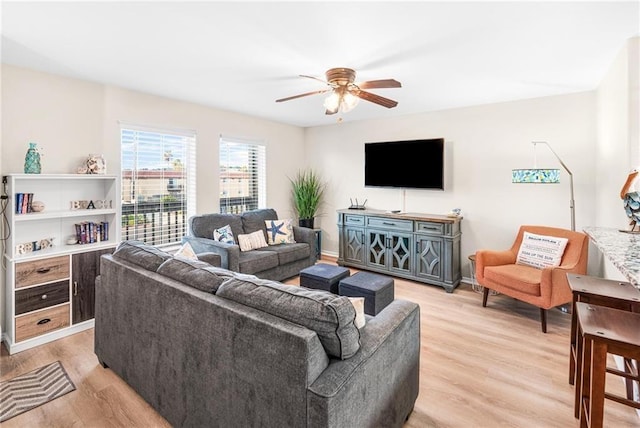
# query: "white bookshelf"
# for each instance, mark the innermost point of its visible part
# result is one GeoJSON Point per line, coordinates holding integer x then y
{"type": "Point", "coordinates": [57, 221]}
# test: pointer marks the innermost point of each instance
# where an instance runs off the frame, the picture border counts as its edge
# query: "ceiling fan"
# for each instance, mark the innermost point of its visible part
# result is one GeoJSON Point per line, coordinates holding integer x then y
{"type": "Point", "coordinates": [345, 94]}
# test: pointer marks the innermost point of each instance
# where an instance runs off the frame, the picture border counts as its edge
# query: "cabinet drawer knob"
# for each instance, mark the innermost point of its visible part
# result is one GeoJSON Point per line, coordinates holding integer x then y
{"type": "Point", "coordinates": [43, 297]}
{"type": "Point", "coordinates": [43, 270]}
{"type": "Point", "coordinates": [388, 223]}
{"type": "Point", "coordinates": [44, 321]}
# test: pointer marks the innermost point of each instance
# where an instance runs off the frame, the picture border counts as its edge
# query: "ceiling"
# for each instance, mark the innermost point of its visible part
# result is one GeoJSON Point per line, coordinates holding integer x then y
{"type": "Point", "coordinates": [243, 56]}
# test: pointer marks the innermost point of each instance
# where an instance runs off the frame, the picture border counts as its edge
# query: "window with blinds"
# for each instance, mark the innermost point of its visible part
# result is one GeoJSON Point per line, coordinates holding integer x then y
{"type": "Point", "coordinates": [158, 184]}
{"type": "Point", "coordinates": [242, 175]}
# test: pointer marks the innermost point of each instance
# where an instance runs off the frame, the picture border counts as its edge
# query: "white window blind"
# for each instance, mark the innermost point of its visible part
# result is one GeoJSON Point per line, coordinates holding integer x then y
{"type": "Point", "coordinates": [242, 175]}
{"type": "Point", "coordinates": [158, 184]}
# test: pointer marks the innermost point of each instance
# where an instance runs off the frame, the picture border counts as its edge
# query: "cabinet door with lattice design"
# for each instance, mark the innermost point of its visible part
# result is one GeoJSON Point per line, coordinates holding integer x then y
{"type": "Point", "coordinates": [354, 245]}
{"type": "Point", "coordinates": [377, 248]}
{"type": "Point", "coordinates": [429, 257]}
{"type": "Point", "coordinates": [399, 253]}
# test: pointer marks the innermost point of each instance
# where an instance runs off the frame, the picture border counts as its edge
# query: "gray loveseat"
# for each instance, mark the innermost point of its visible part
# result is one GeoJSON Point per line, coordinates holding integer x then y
{"type": "Point", "coordinates": [208, 347]}
{"type": "Point", "coordinates": [275, 262]}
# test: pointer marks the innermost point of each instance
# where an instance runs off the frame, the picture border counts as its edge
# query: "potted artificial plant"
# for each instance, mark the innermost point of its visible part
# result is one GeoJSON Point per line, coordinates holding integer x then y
{"type": "Point", "coordinates": [307, 189]}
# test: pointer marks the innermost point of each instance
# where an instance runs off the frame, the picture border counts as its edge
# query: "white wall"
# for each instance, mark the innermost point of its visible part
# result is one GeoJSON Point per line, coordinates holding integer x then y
{"type": "Point", "coordinates": [70, 118]}
{"type": "Point", "coordinates": [483, 144]}
{"type": "Point", "coordinates": [618, 143]}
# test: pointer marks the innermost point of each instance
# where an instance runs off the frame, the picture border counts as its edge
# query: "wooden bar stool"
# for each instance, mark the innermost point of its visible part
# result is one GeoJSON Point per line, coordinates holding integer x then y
{"type": "Point", "coordinates": [602, 331]}
{"type": "Point", "coordinates": [602, 292]}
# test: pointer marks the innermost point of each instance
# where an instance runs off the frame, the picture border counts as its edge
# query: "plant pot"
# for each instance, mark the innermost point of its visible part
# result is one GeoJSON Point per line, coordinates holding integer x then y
{"type": "Point", "coordinates": [306, 222]}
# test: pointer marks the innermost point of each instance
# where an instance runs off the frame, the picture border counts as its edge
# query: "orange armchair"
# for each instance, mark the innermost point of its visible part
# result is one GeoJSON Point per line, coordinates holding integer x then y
{"type": "Point", "coordinates": [544, 288]}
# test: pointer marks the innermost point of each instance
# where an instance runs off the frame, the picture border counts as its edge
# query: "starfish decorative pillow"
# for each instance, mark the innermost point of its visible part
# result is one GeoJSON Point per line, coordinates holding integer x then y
{"type": "Point", "coordinates": [279, 232]}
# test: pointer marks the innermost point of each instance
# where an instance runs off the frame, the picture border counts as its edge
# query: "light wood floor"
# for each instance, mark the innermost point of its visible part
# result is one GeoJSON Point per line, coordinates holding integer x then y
{"type": "Point", "coordinates": [480, 367]}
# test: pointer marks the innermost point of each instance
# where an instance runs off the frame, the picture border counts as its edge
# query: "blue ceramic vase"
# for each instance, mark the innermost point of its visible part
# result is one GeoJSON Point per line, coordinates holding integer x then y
{"type": "Point", "coordinates": [32, 160]}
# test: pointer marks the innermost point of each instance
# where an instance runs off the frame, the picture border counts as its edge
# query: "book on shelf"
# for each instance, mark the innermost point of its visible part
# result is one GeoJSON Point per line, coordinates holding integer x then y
{"type": "Point", "coordinates": [89, 232]}
{"type": "Point", "coordinates": [23, 203]}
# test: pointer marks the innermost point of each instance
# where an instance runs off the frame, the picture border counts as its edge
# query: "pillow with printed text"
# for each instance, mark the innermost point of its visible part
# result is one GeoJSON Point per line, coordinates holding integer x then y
{"type": "Point", "coordinates": [541, 251]}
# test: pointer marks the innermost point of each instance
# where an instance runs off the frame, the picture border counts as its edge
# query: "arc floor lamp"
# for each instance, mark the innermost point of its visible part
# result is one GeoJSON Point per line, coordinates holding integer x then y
{"type": "Point", "coordinates": [546, 176]}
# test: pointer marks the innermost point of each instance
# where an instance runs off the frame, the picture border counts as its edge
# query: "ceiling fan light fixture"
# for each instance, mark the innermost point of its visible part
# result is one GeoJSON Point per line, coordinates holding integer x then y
{"type": "Point", "coordinates": [349, 101]}
{"type": "Point", "coordinates": [332, 102]}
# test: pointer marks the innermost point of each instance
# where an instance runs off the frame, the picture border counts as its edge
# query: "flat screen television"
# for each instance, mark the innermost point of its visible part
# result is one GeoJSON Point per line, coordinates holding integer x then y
{"type": "Point", "coordinates": [413, 164]}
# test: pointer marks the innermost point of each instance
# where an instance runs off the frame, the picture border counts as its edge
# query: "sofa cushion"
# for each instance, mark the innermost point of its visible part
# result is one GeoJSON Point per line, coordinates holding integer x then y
{"type": "Point", "coordinates": [195, 273]}
{"type": "Point", "coordinates": [279, 232]}
{"type": "Point", "coordinates": [288, 253]}
{"type": "Point", "coordinates": [203, 225]}
{"type": "Point", "coordinates": [255, 220]}
{"type": "Point", "coordinates": [330, 316]}
{"type": "Point", "coordinates": [141, 254]}
{"type": "Point", "coordinates": [256, 261]}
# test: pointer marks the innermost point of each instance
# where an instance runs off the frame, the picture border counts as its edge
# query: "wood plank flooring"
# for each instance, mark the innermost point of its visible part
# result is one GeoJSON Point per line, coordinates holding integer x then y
{"type": "Point", "coordinates": [480, 367]}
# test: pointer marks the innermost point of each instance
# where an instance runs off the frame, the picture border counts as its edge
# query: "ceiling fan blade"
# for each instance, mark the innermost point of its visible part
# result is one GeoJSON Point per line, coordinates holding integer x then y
{"type": "Point", "coordinates": [303, 95]}
{"type": "Point", "coordinates": [377, 99]}
{"type": "Point", "coordinates": [315, 78]}
{"type": "Point", "coordinates": [379, 84]}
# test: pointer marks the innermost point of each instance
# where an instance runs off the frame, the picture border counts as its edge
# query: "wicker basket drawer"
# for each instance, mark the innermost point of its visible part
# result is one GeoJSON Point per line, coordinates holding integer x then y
{"type": "Point", "coordinates": [34, 298]}
{"type": "Point", "coordinates": [41, 271]}
{"type": "Point", "coordinates": [41, 322]}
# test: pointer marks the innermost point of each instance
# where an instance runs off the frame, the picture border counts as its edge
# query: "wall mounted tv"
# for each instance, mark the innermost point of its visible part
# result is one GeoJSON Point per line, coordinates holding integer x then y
{"type": "Point", "coordinates": [414, 164]}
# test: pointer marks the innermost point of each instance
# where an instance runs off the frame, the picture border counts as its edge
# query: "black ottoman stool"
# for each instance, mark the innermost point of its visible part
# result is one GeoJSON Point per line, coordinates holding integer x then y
{"type": "Point", "coordinates": [323, 277]}
{"type": "Point", "coordinates": [377, 290]}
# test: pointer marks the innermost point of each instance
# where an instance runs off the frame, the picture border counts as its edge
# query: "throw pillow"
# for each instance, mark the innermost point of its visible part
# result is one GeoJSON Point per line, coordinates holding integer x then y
{"type": "Point", "coordinates": [279, 232]}
{"type": "Point", "coordinates": [186, 251]}
{"type": "Point", "coordinates": [224, 235]}
{"type": "Point", "coordinates": [358, 305]}
{"type": "Point", "coordinates": [541, 251]}
{"type": "Point", "coordinates": [252, 241]}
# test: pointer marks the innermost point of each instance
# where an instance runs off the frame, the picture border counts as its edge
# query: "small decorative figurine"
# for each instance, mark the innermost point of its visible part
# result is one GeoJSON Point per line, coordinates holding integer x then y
{"type": "Point", "coordinates": [37, 206]}
{"type": "Point", "coordinates": [631, 199]}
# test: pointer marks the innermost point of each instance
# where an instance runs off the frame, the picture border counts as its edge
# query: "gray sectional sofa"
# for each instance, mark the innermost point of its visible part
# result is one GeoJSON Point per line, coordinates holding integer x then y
{"type": "Point", "coordinates": [205, 346]}
{"type": "Point", "coordinates": [275, 262]}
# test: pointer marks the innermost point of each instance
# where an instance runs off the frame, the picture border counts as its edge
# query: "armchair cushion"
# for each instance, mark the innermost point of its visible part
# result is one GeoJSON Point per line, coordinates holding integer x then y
{"type": "Point", "coordinates": [518, 277]}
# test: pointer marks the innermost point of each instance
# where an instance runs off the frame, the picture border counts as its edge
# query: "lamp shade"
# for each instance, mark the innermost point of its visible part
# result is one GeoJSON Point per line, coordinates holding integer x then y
{"type": "Point", "coordinates": [536, 175]}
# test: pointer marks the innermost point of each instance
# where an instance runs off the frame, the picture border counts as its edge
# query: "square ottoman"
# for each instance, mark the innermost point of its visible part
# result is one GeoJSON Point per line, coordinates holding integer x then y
{"type": "Point", "coordinates": [323, 277]}
{"type": "Point", "coordinates": [377, 290]}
